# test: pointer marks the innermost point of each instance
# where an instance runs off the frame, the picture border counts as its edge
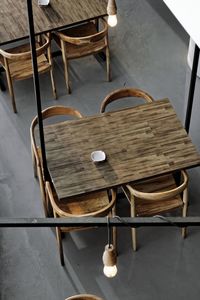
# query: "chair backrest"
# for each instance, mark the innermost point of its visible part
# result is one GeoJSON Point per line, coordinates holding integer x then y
{"type": "Point", "coordinates": [155, 196]}
{"type": "Point", "coordinates": [47, 113]}
{"type": "Point", "coordinates": [124, 93]}
{"type": "Point", "coordinates": [57, 205]}
{"type": "Point", "coordinates": [40, 49]}
{"type": "Point", "coordinates": [87, 39]}
{"type": "Point", "coordinates": [84, 297]}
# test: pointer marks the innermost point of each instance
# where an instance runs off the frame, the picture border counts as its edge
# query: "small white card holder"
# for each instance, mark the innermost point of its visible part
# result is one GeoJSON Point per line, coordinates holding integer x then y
{"type": "Point", "coordinates": [43, 2]}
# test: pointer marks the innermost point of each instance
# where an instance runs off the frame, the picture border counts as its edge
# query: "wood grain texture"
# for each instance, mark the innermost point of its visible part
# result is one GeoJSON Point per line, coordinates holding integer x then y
{"type": "Point", "coordinates": [139, 143]}
{"type": "Point", "coordinates": [53, 111]}
{"type": "Point", "coordinates": [14, 20]}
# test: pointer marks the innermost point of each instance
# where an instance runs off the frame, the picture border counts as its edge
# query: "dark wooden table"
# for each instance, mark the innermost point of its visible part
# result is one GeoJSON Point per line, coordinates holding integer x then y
{"type": "Point", "coordinates": [58, 14]}
{"type": "Point", "coordinates": [139, 142]}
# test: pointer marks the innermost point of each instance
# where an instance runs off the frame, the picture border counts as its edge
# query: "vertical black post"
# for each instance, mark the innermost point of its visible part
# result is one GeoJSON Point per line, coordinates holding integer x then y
{"type": "Point", "coordinates": [192, 88]}
{"type": "Point", "coordinates": [2, 86]}
{"type": "Point", "coordinates": [37, 86]}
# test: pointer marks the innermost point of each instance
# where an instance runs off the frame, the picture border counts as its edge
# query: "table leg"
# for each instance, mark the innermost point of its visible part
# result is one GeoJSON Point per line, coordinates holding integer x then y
{"type": "Point", "coordinates": [192, 88]}
{"type": "Point", "coordinates": [2, 85]}
{"type": "Point", "coordinates": [97, 23]}
{"type": "Point", "coordinates": [101, 55]}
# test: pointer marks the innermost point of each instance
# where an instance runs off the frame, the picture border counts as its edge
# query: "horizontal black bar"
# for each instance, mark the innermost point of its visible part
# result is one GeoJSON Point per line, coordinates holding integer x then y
{"type": "Point", "coordinates": [101, 222]}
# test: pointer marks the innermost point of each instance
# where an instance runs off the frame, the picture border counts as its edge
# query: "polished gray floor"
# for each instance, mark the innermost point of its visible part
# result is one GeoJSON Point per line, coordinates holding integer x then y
{"type": "Point", "coordinates": [149, 51]}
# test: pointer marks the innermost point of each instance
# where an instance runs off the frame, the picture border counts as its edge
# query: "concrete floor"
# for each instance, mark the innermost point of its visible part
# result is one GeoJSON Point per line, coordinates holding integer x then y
{"type": "Point", "coordinates": [149, 51]}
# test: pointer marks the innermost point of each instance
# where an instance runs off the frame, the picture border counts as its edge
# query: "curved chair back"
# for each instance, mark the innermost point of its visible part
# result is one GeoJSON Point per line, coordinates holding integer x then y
{"type": "Point", "coordinates": [40, 49]}
{"type": "Point", "coordinates": [84, 297]}
{"type": "Point", "coordinates": [124, 93]}
{"type": "Point", "coordinates": [87, 39]}
{"type": "Point", "coordinates": [155, 196]}
{"type": "Point", "coordinates": [36, 156]}
{"type": "Point", "coordinates": [57, 205]}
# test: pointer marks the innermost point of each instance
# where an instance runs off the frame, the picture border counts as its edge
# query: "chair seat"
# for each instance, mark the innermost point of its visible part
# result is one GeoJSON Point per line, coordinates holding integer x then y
{"type": "Point", "coordinates": [76, 51]}
{"type": "Point", "coordinates": [156, 185]}
{"type": "Point", "coordinates": [85, 204]}
{"type": "Point", "coordinates": [23, 69]}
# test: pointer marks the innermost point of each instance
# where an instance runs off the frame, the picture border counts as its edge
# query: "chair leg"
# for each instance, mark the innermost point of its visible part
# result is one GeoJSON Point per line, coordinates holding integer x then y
{"type": "Point", "coordinates": [49, 208]}
{"type": "Point", "coordinates": [34, 164]}
{"type": "Point", "coordinates": [114, 230]}
{"type": "Point", "coordinates": [184, 212]}
{"type": "Point", "coordinates": [11, 92]}
{"type": "Point", "coordinates": [60, 246]}
{"type": "Point", "coordinates": [133, 230]}
{"type": "Point", "coordinates": [108, 64]}
{"type": "Point", "coordinates": [53, 84]}
{"type": "Point", "coordinates": [66, 68]}
{"type": "Point", "coordinates": [44, 195]}
{"type": "Point", "coordinates": [134, 239]}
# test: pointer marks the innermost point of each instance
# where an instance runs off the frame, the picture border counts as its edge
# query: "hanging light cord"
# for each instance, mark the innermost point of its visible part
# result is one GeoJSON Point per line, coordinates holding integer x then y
{"type": "Point", "coordinates": [166, 220]}
{"type": "Point", "coordinates": [109, 232]}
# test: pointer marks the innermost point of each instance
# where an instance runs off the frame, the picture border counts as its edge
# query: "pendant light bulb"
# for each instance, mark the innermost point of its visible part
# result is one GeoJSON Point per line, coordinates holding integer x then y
{"type": "Point", "coordinates": [109, 261]}
{"type": "Point", "coordinates": [110, 271]}
{"type": "Point", "coordinates": [112, 20]}
{"type": "Point", "coordinates": [112, 13]}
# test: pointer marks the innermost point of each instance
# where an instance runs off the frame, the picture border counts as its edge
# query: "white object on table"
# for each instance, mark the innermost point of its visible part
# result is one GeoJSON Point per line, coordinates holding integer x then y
{"type": "Point", "coordinates": [43, 2]}
{"type": "Point", "coordinates": [98, 156]}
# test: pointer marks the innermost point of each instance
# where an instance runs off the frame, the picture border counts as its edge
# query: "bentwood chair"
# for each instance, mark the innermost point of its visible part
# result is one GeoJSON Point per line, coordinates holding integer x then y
{"type": "Point", "coordinates": [119, 94]}
{"type": "Point", "coordinates": [84, 297]}
{"type": "Point", "coordinates": [83, 40]}
{"type": "Point", "coordinates": [53, 111]}
{"type": "Point", "coordinates": [158, 195]}
{"type": "Point", "coordinates": [96, 204]}
{"type": "Point", "coordinates": [17, 63]}
{"type": "Point", "coordinates": [122, 96]}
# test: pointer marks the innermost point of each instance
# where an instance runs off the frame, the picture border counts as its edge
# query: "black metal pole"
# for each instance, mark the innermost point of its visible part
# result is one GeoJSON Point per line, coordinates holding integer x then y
{"type": "Point", "coordinates": [192, 88]}
{"type": "Point", "coordinates": [2, 85]}
{"type": "Point", "coordinates": [155, 221]}
{"type": "Point", "coordinates": [37, 86]}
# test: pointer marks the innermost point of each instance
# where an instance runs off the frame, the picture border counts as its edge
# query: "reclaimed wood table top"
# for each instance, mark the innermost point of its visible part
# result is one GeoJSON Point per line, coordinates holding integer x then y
{"type": "Point", "coordinates": [58, 14]}
{"type": "Point", "coordinates": [139, 143]}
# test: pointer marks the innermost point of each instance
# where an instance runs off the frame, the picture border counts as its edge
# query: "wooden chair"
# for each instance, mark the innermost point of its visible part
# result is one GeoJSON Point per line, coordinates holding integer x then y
{"type": "Point", "coordinates": [125, 93]}
{"type": "Point", "coordinates": [80, 41]}
{"type": "Point", "coordinates": [122, 93]}
{"type": "Point", "coordinates": [150, 197]}
{"type": "Point", "coordinates": [36, 151]}
{"type": "Point", "coordinates": [17, 63]}
{"type": "Point", "coordinates": [84, 297]}
{"type": "Point", "coordinates": [157, 195]}
{"type": "Point", "coordinates": [96, 204]}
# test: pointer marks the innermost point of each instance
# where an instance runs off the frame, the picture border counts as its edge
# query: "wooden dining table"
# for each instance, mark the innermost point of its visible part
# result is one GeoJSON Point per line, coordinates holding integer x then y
{"type": "Point", "coordinates": [139, 143]}
{"type": "Point", "coordinates": [58, 14]}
